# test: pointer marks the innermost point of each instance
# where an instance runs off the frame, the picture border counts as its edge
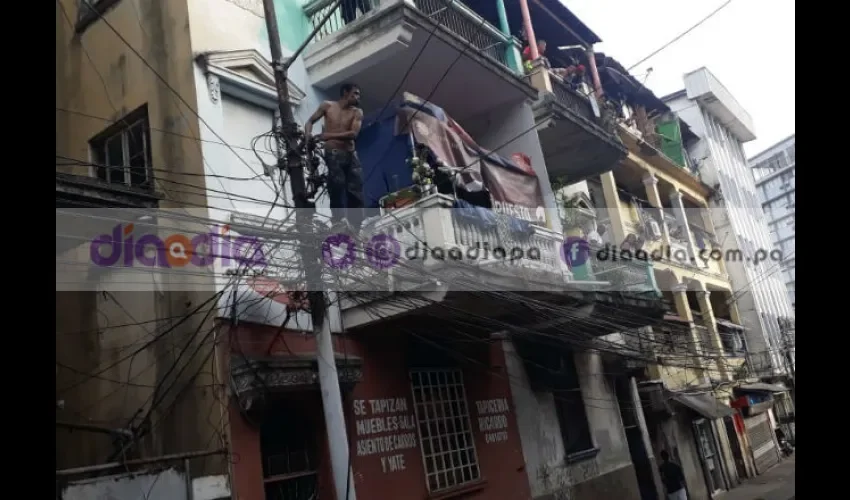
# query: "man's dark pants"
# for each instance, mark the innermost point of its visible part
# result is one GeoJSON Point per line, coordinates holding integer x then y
{"type": "Point", "coordinates": [345, 186]}
{"type": "Point", "coordinates": [349, 9]}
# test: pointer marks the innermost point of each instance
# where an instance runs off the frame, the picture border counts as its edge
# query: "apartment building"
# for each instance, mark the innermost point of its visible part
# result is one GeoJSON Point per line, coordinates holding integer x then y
{"type": "Point", "coordinates": [654, 204]}
{"type": "Point", "coordinates": [126, 142]}
{"type": "Point", "coordinates": [774, 170]}
{"type": "Point", "coordinates": [722, 127]}
{"type": "Point", "coordinates": [496, 380]}
{"type": "Point", "coordinates": [497, 372]}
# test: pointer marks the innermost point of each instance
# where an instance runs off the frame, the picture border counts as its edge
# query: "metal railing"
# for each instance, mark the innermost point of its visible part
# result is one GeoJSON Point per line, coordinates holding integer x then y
{"type": "Point", "coordinates": [572, 99]}
{"type": "Point", "coordinates": [625, 273]}
{"type": "Point", "coordinates": [452, 15]}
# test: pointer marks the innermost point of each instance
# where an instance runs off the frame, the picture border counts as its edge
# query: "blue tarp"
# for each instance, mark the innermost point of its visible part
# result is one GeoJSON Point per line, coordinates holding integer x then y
{"type": "Point", "coordinates": [384, 155]}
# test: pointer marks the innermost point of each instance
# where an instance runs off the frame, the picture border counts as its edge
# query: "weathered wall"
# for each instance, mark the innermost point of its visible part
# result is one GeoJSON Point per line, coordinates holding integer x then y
{"type": "Point", "coordinates": [385, 375]}
{"type": "Point", "coordinates": [608, 475]}
{"type": "Point", "coordinates": [509, 130]}
{"type": "Point", "coordinates": [102, 74]}
{"type": "Point", "coordinates": [169, 483]}
{"type": "Point", "coordinates": [683, 449]}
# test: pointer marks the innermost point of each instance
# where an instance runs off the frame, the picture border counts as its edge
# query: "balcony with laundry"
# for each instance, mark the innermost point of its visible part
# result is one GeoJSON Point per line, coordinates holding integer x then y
{"type": "Point", "coordinates": [441, 50]}
{"type": "Point", "coordinates": [462, 219]}
{"type": "Point", "coordinates": [585, 222]}
{"type": "Point", "coordinates": [576, 130]}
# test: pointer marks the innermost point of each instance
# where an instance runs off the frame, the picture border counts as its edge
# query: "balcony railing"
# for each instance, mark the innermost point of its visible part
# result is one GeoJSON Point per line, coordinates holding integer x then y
{"type": "Point", "coordinates": [449, 14]}
{"type": "Point", "coordinates": [433, 221]}
{"type": "Point", "coordinates": [624, 273]}
{"type": "Point", "coordinates": [574, 100]}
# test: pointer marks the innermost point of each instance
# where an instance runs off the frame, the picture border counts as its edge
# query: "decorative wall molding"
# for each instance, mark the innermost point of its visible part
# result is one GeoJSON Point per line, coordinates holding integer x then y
{"type": "Point", "coordinates": [247, 75]}
{"type": "Point", "coordinates": [214, 87]}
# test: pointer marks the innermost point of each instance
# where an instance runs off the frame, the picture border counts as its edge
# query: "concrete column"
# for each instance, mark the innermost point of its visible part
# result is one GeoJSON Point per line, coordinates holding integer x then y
{"type": "Point", "coordinates": [594, 73]}
{"type": "Point", "coordinates": [734, 313]}
{"type": "Point", "coordinates": [511, 55]}
{"type": "Point", "coordinates": [616, 212]}
{"type": "Point", "coordinates": [713, 333]}
{"type": "Point", "coordinates": [529, 29]}
{"type": "Point", "coordinates": [682, 219]}
{"type": "Point", "coordinates": [683, 310]}
{"type": "Point", "coordinates": [332, 405]}
{"type": "Point", "coordinates": [539, 77]}
{"type": "Point", "coordinates": [652, 195]}
{"type": "Point", "coordinates": [708, 223]}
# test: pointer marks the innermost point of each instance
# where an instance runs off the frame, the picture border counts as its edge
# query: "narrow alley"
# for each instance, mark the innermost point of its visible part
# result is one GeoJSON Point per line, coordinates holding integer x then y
{"type": "Point", "coordinates": [775, 484]}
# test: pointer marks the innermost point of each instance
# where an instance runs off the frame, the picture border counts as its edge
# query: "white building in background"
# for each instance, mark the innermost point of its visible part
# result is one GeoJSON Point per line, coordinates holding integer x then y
{"type": "Point", "coordinates": [723, 126]}
{"type": "Point", "coordinates": [774, 170]}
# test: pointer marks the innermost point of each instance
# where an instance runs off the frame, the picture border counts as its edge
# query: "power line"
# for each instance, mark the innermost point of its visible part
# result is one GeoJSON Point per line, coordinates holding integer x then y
{"type": "Point", "coordinates": [681, 35]}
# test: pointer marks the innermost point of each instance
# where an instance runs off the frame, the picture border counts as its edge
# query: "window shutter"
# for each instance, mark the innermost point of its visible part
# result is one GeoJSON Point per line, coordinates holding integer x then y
{"type": "Point", "coordinates": [671, 141]}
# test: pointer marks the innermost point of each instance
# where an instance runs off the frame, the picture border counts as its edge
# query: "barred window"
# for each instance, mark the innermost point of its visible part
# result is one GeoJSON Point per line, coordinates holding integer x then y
{"type": "Point", "coordinates": [445, 432]}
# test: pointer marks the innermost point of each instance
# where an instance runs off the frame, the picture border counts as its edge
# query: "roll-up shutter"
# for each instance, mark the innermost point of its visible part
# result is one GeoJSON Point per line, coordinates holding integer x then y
{"type": "Point", "coordinates": [762, 443]}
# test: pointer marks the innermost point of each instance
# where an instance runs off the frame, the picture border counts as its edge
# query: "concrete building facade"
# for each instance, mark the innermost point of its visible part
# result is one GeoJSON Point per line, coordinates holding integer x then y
{"type": "Point", "coordinates": [445, 392]}
{"type": "Point", "coordinates": [774, 170]}
{"type": "Point", "coordinates": [722, 127]}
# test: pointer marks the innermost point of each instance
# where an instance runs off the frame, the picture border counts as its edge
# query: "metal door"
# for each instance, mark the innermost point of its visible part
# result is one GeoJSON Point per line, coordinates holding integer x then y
{"type": "Point", "coordinates": [762, 443]}
{"type": "Point", "coordinates": [709, 456]}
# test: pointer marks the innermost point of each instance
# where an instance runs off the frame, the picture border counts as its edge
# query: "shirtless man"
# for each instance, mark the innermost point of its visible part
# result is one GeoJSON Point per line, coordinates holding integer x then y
{"type": "Point", "coordinates": [342, 124]}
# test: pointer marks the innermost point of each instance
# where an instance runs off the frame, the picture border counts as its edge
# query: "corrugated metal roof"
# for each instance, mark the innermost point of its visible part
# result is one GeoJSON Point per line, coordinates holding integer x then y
{"type": "Point", "coordinates": [703, 404]}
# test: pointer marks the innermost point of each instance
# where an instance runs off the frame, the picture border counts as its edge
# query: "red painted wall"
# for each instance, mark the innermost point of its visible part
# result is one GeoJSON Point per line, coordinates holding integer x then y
{"type": "Point", "coordinates": [386, 375]}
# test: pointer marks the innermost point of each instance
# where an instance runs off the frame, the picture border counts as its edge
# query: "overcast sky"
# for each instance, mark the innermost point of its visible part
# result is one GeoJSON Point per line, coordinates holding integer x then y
{"type": "Point", "coordinates": [749, 46]}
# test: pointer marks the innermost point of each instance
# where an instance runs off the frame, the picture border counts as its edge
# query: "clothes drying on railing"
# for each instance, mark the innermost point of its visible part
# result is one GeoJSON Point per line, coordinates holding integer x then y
{"type": "Point", "coordinates": [487, 219]}
{"type": "Point", "coordinates": [387, 140]}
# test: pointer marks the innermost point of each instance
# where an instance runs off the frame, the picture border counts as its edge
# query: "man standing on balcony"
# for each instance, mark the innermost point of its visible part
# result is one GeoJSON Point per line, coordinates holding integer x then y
{"type": "Point", "coordinates": [568, 74]}
{"type": "Point", "coordinates": [349, 9]}
{"type": "Point", "coordinates": [343, 119]}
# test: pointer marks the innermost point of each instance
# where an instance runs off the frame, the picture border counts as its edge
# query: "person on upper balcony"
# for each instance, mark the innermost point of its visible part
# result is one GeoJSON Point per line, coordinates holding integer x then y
{"type": "Point", "coordinates": [571, 74]}
{"type": "Point", "coordinates": [350, 7]}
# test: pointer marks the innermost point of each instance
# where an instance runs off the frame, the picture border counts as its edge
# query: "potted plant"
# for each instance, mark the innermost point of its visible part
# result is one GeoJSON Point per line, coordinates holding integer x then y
{"type": "Point", "coordinates": [569, 209]}
{"type": "Point", "coordinates": [423, 182]}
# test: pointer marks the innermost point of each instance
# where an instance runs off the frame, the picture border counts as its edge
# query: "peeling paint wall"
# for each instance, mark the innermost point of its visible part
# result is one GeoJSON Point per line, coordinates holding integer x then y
{"type": "Point", "coordinates": [542, 444]}
{"type": "Point", "coordinates": [138, 54]}
{"type": "Point", "coordinates": [506, 131]}
{"type": "Point", "coordinates": [167, 484]}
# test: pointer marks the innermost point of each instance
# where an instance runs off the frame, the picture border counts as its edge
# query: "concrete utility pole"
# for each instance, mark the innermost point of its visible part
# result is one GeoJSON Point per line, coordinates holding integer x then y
{"type": "Point", "coordinates": [294, 165]}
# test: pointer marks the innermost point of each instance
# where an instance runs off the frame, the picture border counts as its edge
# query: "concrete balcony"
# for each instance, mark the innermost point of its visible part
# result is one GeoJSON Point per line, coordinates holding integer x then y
{"type": "Point", "coordinates": [437, 243]}
{"type": "Point", "coordinates": [438, 49]}
{"type": "Point", "coordinates": [701, 85]}
{"type": "Point", "coordinates": [577, 143]}
{"type": "Point", "coordinates": [477, 285]}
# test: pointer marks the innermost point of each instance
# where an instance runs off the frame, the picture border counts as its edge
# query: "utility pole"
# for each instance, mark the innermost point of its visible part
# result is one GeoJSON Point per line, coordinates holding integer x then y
{"type": "Point", "coordinates": [294, 164]}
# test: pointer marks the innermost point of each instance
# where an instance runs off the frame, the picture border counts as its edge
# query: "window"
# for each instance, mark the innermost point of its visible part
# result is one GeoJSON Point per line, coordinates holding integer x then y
{"type": "Point", "coordinates": [569, 405]}
{"type": "Point", "coordinates": [792, 153]}
{"type": "Point", "coordinates": [445, 432]}
{"type": "Point", "coordinates": [121, 153]}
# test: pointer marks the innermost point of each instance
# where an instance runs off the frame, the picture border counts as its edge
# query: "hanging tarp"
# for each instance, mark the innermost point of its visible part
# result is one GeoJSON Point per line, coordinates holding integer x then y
{"type": "Point", "coordinates": [386, 143]}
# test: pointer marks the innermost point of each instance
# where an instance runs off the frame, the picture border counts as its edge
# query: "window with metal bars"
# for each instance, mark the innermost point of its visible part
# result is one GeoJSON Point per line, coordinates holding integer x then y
{"type": "Point", "coordinates": [289, 453]}
{"type": "Point", "coordinates": [122, 154]}
{"type": "Point", "coordinates": [569, 406]}
{"type": "Point", "coordinates": [445, 431]}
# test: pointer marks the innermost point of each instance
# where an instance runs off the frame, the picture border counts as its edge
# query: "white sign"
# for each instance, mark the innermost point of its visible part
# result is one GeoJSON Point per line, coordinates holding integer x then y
{"type": "Point", "coordinates": [379, 416]}
{"type": "Point", "coordinates": [493, 419]}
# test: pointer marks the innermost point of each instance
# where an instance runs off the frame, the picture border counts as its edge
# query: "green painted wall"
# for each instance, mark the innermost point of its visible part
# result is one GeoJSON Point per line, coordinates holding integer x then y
{"type": "Point", "coordinates": [293, 24]}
